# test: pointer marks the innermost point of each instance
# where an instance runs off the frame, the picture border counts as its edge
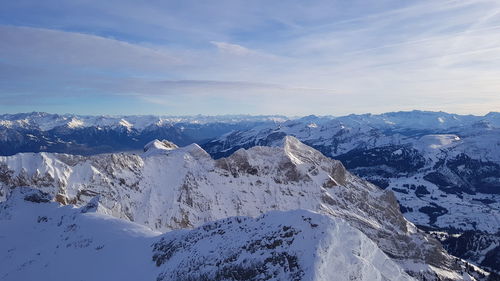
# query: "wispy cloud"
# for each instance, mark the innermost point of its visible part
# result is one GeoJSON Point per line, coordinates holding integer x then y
{"type": "Point", "coordinates": [326, 57]}
{"type": "Point", "coordinates": [233, 49]}
{"type": "Point", "coordinates": [35, 46]}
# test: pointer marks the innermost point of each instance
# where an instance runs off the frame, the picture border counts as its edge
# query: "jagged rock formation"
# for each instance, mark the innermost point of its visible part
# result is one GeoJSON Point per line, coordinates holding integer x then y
{"type": "Point", "coordinates": [443, 168]}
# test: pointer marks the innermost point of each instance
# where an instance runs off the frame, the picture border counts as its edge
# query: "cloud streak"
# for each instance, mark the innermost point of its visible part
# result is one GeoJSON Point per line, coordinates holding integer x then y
{"type": "Point", "coordinates": [237, 57]}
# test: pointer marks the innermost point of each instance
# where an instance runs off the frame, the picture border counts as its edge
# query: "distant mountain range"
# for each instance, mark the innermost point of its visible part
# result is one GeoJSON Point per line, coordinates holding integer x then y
{"type": "Point", "coordinates": [87, 135]}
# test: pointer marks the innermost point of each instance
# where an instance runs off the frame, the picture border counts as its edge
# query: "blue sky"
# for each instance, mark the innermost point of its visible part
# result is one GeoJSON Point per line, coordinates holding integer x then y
{"type": "Point", "coordinates": [252, 57]}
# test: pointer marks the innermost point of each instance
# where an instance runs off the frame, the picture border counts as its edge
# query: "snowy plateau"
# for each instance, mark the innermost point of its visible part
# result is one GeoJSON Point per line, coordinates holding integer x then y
{"type": "Point", "coordinates": [261, 198]}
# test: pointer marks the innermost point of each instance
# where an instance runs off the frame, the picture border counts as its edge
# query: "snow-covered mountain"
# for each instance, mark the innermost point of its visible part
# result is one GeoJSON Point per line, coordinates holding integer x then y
{"type": "Point", "coordinates": [42, 240]}
{"type": "Point", "coordinates": [443, 168]}
{"type": "Point", "coordinates": [86, 135]}
{"type": "Point", "coordinates": [46, 121]}
{"type": "Point", "coordinates": [170, 188]}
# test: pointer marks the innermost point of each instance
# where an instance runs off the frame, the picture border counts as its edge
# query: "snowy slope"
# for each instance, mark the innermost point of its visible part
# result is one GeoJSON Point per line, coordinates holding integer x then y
{"type": "Point", "coordinates": [42, 240]}
{"type": "Point", "coordinates": [293, 245]}
{"type": "Point", "coordinates": [168, 189]}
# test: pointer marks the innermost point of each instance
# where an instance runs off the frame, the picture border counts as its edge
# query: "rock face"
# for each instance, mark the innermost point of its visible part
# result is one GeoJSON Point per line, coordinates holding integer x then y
{"type": "Point", "coordinates": [185, 188]}
{"type": "Point", "coordinates": [45, 241]}
{"type": "Point", "coordinates": [443, 168]}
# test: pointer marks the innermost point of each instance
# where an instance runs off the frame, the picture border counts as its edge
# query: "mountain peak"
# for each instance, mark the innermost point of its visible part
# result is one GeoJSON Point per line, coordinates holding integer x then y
{"type": "Point", "coordinates": [195, 151]}
{"type": "Point", "coordinates": [156, 146]}
{"type": "Point", "coordinates": [299, 152]}
{"type": "Point", "coordinates": [290, 140]}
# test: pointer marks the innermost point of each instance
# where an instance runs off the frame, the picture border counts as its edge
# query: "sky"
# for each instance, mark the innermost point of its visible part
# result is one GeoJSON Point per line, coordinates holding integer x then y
{"type": "Point", "coordinates": [323, 57]}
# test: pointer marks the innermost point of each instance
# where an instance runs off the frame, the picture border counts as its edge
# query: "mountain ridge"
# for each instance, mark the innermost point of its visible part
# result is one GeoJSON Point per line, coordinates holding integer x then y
{"type": "Point", "coordinates": [444, 179]}
{"type": "Point", "coordinates": [44, 240]}
{"type": "Point", "coordinates": [249, 182]}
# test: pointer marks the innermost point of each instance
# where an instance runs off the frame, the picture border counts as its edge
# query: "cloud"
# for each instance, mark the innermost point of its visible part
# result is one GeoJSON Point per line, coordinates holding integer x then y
{"type": "Point", "coordinates": [233, 49]}
{"type": "Point", "coordinates": [37, 46]}
{"type": "Point", "coordinates": [324, 58]}
{"type": "Point", "coordinates": [207, 97]}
